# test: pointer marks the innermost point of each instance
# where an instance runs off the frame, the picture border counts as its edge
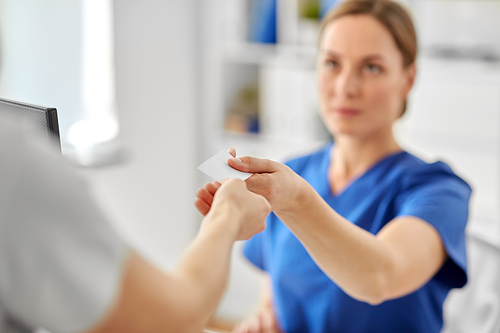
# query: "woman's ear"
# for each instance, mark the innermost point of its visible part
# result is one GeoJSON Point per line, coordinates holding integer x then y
{"type": "Point", "coordinates": [410, 73]}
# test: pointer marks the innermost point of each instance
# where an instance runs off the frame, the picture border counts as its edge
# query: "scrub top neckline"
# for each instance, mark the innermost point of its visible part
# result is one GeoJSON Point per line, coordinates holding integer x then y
{"type": "Point", "coordinates": [354, 181]}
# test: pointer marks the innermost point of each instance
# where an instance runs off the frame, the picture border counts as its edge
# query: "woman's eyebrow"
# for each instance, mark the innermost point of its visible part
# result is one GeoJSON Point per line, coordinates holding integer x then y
{"type": "Point", "coordinates": [373, 57]}
{"type": "Point", "coordinates": [330, 53]}
{"type": "Point", "coordinates": [369, 57]}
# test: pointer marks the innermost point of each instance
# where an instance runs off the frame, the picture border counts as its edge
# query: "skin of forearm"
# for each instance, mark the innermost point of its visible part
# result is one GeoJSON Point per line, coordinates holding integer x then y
{"type": "Point", "coordinates": [205, 267]}
{"type": "Point", "coordinates": [353, 258]}
{"type": "Point", "coordinates": [183, 300]}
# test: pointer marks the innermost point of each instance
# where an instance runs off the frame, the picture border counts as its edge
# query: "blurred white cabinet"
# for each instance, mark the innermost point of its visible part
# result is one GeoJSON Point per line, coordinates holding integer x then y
{"type": "Point", "coordinates": [282, 75]}
{"type": "Point", "coordinates": [454, 116]}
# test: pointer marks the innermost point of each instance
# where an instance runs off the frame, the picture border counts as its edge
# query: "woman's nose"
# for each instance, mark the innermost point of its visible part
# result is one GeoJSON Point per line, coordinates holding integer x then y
{"type": "Point", "coordinates": [347, 84]}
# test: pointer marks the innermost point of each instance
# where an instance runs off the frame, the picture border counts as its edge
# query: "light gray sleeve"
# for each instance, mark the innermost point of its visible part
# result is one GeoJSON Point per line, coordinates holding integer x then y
{"type": "Point", "coordinates": [476, 307]}
{"type": "Point", "coordinates": [61, 262]}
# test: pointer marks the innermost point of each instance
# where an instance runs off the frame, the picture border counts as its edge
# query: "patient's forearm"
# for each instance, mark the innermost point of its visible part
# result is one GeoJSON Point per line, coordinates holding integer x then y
{"type": "Point", "coordinates": [206, 264]}
{"type": "Point", "coordinates": [181, 301]}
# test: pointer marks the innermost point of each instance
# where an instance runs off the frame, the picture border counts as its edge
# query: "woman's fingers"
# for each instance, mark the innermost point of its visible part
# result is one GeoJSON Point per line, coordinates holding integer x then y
{"type": "Point", "coordinates": [269, 322]}
{"type": "Point", "coordinates": [253, 164]}
{"type": "Point", "coordinates": [241, 327]}
{"type": "Point", "coordinates": [232, 152]}
{"type": "Point", "coordinates": [254, 325]}
{"type": "Point", "coordinates": [257, 325]}
{"type": "Point", "coordinates": [250, 325]}
{"type": "Point", "coordinates": [262, 322]}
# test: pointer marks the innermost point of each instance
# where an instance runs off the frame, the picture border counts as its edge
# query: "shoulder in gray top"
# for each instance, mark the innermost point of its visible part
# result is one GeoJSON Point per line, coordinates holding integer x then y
{"type": "Point", "coordinates": [61, 262]}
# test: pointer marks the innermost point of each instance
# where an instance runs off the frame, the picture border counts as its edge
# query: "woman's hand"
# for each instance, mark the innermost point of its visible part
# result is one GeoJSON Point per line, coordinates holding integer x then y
{"type": "Point", "coordinates": [283, 188]}
{"type": "Point", "coordinates": [263, 321]}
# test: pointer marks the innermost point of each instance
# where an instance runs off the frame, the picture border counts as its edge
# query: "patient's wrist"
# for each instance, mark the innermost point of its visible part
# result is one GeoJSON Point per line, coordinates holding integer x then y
{"type": "Point", "coordinates": [224, 217]}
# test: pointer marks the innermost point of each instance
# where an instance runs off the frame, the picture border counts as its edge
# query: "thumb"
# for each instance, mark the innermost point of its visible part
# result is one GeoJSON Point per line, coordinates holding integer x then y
{"type": "Point", "coordinates": [253, 164]}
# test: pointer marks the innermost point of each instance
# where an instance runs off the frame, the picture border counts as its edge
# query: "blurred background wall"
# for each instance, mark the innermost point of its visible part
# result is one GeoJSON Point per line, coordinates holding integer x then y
{"type": "Point", "coordinates": [151, 193]}
{"type": "Point", "coordinates": [184, 79]}
{"type": "Point", "coordinates": [148, 188]}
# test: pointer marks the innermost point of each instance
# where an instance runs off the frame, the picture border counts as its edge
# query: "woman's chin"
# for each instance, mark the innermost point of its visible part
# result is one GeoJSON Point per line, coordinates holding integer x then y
{"type": "Point", "coordinates": [346, 131]}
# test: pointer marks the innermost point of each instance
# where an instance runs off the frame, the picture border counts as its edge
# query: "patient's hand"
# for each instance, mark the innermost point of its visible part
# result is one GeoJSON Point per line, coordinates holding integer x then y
{"type": "Point", "coordinates": [238, 210]}
{"type": "Point", "coordinates": [280, 185]}
{"type": "Point", "coordinates": [205, 195]}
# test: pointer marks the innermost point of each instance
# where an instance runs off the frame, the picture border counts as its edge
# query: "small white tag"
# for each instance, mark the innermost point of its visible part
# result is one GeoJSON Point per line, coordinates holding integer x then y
{"type": "Point", "coordinates": [217, 168]}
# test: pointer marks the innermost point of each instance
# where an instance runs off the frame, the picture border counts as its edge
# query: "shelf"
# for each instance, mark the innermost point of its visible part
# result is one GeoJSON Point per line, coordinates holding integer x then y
{"type": "Point", "coordinates": [249, 53]}
{"type": "Point", "coordinates": [262, 146]}
{"type": "Point", "coordinates": [270, 54]}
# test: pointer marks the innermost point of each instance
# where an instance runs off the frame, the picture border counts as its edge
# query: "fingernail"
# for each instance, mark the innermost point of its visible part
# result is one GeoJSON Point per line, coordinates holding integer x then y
{"type": "Point", "coordinates": [236, 160]}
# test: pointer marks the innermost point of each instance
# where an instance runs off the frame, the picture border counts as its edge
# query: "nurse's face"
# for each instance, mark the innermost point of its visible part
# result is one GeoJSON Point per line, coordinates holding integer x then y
{"type": "Point", "coordinates": [362, 80]}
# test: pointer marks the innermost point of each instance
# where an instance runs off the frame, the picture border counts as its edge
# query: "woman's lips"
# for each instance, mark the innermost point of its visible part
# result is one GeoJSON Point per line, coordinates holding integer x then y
{"type": "Point", "coordinates": [347, 112]}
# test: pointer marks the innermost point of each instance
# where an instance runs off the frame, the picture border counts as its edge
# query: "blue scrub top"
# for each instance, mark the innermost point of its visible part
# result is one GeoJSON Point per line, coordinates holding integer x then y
{"type": "Point", "coordinates": [306, 300]}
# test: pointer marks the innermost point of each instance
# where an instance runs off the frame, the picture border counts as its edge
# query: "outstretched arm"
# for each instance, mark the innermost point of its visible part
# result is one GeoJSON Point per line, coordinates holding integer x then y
{"type": "Point", "coordinates": [402, 257]}
{"type": "Point", "coordinates": [65, 268]}
{"type": "Point", "coordinates": [183, 300]}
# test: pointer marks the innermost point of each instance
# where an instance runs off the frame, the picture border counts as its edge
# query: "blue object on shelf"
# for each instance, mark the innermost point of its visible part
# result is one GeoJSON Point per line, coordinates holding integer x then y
{"type": "Point", "coordinates": [263, 21]}
{"type": "Point", "coordinates": [326, 5]}
{"type": "Point", "coordinates": [253, 126]}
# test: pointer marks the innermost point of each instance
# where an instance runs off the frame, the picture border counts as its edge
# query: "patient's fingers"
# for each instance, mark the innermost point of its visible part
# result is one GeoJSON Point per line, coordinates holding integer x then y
{"type": "Point", "coordinates": [232, 152]}
{"type": "Point", "coordinates": [208, 191]}
{"type": "Point", "coordinates": [202, 206]}
{"type": "Point", "coordinates": [204, 195]}
{"type": "Point", "coordinates": [212, 187]}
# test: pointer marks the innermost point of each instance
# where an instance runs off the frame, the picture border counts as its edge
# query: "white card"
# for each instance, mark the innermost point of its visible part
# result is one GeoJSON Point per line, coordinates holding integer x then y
{"type": "Point", "coordinates": [217, 168]}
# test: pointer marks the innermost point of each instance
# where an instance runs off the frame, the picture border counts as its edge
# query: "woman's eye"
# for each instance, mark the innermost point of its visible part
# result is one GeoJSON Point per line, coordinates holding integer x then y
{"type": "Point", "coordinates": [331, 64]}
{"type": "Point", "coordinates": [372, 69]}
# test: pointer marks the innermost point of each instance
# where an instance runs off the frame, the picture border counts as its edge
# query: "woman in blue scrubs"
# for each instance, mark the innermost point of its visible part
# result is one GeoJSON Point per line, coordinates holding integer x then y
{"type": "Point", "coordinates": [364, 237]}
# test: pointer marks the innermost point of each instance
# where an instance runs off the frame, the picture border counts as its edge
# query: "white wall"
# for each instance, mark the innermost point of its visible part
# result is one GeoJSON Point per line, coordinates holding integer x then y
{"type": "Point", "coordinates": [41, 54]}
{"type": "Point", "coordinates": [150, 197]}
{"type": "Point", "coordinates": [158, 51]}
